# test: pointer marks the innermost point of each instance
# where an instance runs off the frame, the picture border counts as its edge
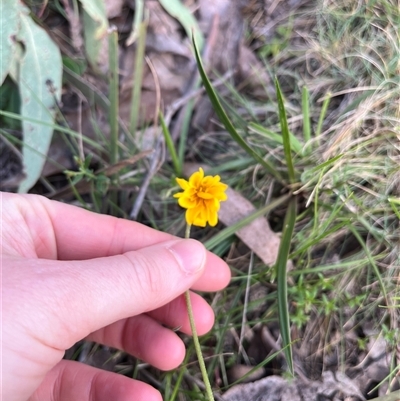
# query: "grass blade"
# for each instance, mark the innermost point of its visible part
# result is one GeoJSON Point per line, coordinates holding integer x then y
{"type": "Point", "coordinates": [283, 254]}
{"type": "Point", "coordinates": [393, 202]}
{"type": "Point", "coordinates": [228, 231]}
{"type": "Point", "coordinates": [324, 109]}
{"type": "Point", "coordinates": [395, 396]}
{"type": "Point", "coordinates": [285, 132]}
{"type": "Point", "coordinates": [139, 7]}
{"type": "Point", "coordinates": [371, 261]}
{"type": "Point", "coordinates": [259, 129]}
{"type": "Point", "coordinates": [56, 127]}
{"type": "Point", "coordinates": [113, 93]}
{"type": "Point", "coordinates": [305, 104]}
{"type": "Point", "coordinates": [137, 78]}
{"type": "Point", "coordinates": [170, 145]}
{"type": "Point", "coordinates": [225, 119]}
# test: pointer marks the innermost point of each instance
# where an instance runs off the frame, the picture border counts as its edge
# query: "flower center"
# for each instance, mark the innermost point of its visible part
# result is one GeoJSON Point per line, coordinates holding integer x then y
{"type": "Point", "coordinates": [201, 193]}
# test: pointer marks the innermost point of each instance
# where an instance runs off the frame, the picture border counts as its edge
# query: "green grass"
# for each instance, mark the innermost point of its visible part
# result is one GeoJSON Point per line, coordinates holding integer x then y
{"type": "Point", "coordinates": [320, 158]}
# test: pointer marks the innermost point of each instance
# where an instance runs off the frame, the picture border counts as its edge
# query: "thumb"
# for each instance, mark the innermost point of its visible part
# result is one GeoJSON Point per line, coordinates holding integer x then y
{"type": "Point", "coordinates": [76, 298]}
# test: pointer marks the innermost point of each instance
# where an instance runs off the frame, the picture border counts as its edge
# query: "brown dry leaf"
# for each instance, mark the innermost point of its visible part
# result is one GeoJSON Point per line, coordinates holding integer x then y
{"type": "Point", "coordinates": [257, 235]}
{"type": "Point", "coordinates": [332, 386]}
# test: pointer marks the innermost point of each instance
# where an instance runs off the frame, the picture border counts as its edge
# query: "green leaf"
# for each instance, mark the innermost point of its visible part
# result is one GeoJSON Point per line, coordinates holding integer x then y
{"type": "Point", "coordinates": [113, 94]}
{"type": "Point", "coordinates": [285, 133]}
{"type": "Point", "coordinates": [93, 45]}
{"type": "Point", "coordinates": [137, 20]}
{"type": "Point", "coordinates": [259, 129]}
{"type": "Point", "coordinates": [138, 78]}
{"type": "Point", "coordinates": [9, 19]}
{"type": "Point", "coordinates": [96, 9]}
{"type": "Point", "coordinates": [225, 119]}
{"type": "Point", "coordinates": [95, 25]}
{"type": "Point", "coordinates": [176, 9]}
{"type": "Point", "coordinates": [281, 269]}
{"type": "Point", "coordinates": [40, 71]}
{"type": "Point", "coordinates": [305, 105]}
{"type": "Point", "coordinates": [75, 65]}
{"type": "Point", "coordinates": [171, 147]}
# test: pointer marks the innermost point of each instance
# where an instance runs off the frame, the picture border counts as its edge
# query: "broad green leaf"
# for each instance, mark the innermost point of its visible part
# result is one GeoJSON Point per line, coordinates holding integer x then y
{"type": "Point", "coordinates": [96, 9]}
{"type": "Point", "coordinates": [176, 9]}
{"type": "Point", "coordinates": [40, 72]}
{"type": "Point", "coordinates": [8, 31]}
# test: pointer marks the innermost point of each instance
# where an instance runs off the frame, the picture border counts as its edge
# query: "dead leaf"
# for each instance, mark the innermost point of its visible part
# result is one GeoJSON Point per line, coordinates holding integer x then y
{"type": "Point", "coordinates": [257, 235]}
{"type": "Point", "coordinates": [276, 388]}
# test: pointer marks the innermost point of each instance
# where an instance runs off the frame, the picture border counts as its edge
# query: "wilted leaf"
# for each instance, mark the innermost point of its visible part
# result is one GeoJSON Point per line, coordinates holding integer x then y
{"type": "Point", "coordinates": [40, 86]}
{"type": "Point", "coordinates": [8, 30]}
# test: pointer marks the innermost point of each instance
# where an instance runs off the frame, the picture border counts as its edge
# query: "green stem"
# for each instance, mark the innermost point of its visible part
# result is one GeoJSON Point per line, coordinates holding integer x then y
{"type": "Point", "coordinates": [196, 341]}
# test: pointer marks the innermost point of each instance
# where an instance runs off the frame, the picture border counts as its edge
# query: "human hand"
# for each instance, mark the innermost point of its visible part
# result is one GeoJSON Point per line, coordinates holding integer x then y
{"type": "Point", "coordinates": [70, 274]}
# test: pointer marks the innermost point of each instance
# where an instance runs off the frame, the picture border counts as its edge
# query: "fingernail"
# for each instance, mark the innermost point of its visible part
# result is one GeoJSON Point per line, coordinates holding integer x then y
{"type": "Point", "coordinates": [190, 254]}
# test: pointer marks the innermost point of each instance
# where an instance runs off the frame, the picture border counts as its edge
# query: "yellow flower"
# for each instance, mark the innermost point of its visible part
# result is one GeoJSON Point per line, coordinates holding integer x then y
{"type": "Point", "coordinates": [201, 197]}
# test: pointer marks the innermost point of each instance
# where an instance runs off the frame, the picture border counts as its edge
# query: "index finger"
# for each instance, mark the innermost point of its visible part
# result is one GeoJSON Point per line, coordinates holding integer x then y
{"type": "Point", "coordinates": [66, 232]}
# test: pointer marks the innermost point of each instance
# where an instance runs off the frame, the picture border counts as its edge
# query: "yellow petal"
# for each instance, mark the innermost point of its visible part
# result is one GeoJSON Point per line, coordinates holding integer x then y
{"type": "Point", "coordinates": [213, 218]}
{"type": "Point", "coordinates": [199, 222]}
{"type": "Point", "coordinates": [192, 215]}
{"type": "Point", "coordinates": [187, 202]}
{"type": "Point", "coordinates": [204, 195]}
{"type": "Point", "coordinates": [196, 178]}
{"type": "Point", "coordinates": [182, 183]}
